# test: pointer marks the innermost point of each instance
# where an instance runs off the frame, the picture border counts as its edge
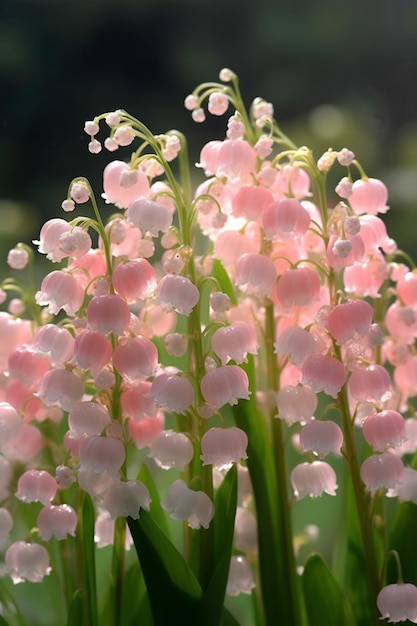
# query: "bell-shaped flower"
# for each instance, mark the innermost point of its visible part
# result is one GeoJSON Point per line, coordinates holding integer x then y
{"type": "Point", "coordinates": [235, 342]}
{"type": "Point", "coordinates": [324, 373]}
{"type": "Point", "coordinates": [25, 445]}
{"type": "Point", "coordinates": [246, 534]}
{"type": "Point", "coordinates": [53, 341]}
{"type": "Point", "coordinates": [95, 483]}
{"type": "Point", "coordinates": [135, 358]}
{"type": "Point", "coordinates": [121, 184]}
{"type": "Point", "coordinates": [229, 245]}
{"type": "Point", "coordinates": [150, 216]}
{"type": "Point", "coordinates": [384, 470]}
{"type": "Point", "coordinates": [298, 287]}
{"type": "Point", "coordinates": [102, 454]}
{"type": "Point", "coordinates": [370, 383]}
{"type": "Point", "coordinates": [321, 437]}
{"type": "Point", "coordinates": [186, 504]}
{"type": "Point", "coordinates": [384, 429]}
{"type": "Point", "coordinates": [250, 201]}
{"type": "Point", "coordinates": [36, 486]}
{"type": "Point", "coordinates": [349, 318]}
{"type": "Point", "coordinates": [177, 293]}
{"type": "Point", "coordinates": [60, 290]}
{"type": "Point", "coordinates": [224, 385]}
{"type": "Point", "coordinates": [61, 387]}
{"type": "Point", "coordinates": [240, 578]}
{"type": "Point", "coordinates": [398, 602]}
{"type": "Point", "coordinates": [57, 521]}
{"type": "Point", "coordinates": [312, 479]}
{"type": "Point", "coordinates": [137, 401]}
{"type": "Point", "coordinates": [49, 237]}
{"type": "Point", "coordinates": [407, 288]}
{"type": "Point", "coordinates": [406, 490]}
{"type": "Point", "coordinates": [368, 196]}
{"type": "Point", "coordinates": [75, 243]}
{"type": "Point", "coordinates": [134, 280]}
{"type": "Point", "coordinates": [13, 332]}
{"type": "Point", "coordinates": [92, 351]}
{"type": "Point", "coordinates": [10, 423]}
{"type": "Point", "coordinates": [172, 393]}
{"type": "Point", "coordinates": [255, 273]}
{"type": "Point", "coordinates": [6, 524]}
{"type": "Point", "coordinates": [27, 561]}
{"type": "Point", "coordinates": [104, 531]}
{"type": "Point", "coordinates": [223, 446]}
{"type": "Point", "coordinates": [88, 418]}
{"type": "Point", "coordinates": [126, 498]}
{"type": "Point", "coordinates": [108, 314]}
{"type": "Point", "coordinates": [401, 322]}
{"type": "Point", "coordinates": [296, 404]}
{"type": "Point", "coordinates": [171, 449]}
{"type": "Point", "coordinates": [145, 431]}
{"type": "Point", "coordinates": [27, 366]}
{"type": "Point", "coordinates": [285, 219]}
{"type": "Point", "coordinates": [298, 343]}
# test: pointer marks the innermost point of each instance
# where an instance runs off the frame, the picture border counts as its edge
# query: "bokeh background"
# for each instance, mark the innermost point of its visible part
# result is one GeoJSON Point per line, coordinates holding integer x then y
{"type": "Point", "coordinates": [339, 74]}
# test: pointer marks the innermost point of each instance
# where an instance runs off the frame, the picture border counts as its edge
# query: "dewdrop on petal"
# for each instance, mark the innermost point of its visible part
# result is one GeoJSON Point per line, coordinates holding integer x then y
{"type": "Point", "coordinates": [223, 446]}
{"type": "Point", "coordinates": [240, 578]}
{"type": "Point", "coordinates": [313, 479]}
{"type": "Point", "coordinates": [171, 449]}
{"type": "Point", "coordinates": [27, 561]}
{"type": "Point", "coordinates": [398, 603]}
{"type": "Point", "coordinates": [186, 504]}
{"type": "Point", "coordinates": [57, 521]}
{"type": "Point", "coordinates": [124, 499]}
{"type": "Point", "coordinates": [36, 486]}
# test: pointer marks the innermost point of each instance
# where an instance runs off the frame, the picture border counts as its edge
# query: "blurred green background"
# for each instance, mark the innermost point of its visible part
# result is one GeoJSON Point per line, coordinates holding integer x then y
{"type": "Point", "coordinates": [339, 74]}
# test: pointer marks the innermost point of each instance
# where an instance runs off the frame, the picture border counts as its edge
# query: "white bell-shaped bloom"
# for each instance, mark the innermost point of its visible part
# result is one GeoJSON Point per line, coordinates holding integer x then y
{"type": "Point", "coordinates": [186, 504]}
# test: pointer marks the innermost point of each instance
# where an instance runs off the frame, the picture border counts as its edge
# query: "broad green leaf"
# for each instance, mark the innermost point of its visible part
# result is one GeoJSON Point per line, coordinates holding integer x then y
{"type": "Point", "coordinates": [135, 608]}
{"type": "Point", "coordinates": [173, 590]}
{"type": "Point", "coordinates": [224, 521]}
{"type": "Point", "coordinates": [223, 279]}
{"type": "Point", "coordinates": [156, 510]}
{"type": "Point", "coordinates": [324, 599]}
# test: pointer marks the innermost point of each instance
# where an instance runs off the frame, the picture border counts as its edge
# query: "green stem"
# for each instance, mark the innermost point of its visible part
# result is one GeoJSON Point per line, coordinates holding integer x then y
{"type": "Point", "coordinates": [118, 571]}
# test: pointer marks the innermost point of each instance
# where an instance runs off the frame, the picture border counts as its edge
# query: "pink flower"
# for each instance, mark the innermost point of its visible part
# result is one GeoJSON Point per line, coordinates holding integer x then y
{"type": "Point", "coordinates": [321, 437]}
{"type": "Point", "coordinates": [61, 387]}
{"type": "Point", "coordinates": [126, 498]}
{"type": "Point", "coordinates": [324, 373]}
{"type": "Point", "coordinates": [298, 287]}
{"type": "Point", "coordinates": [60, 290]}
{"type": "Point", "coordinates": [235, 342]}
{"type": "Point", "coordinates": [150, 216]}
{"type": "Point", "coordinates": [407, 288]}
{"type": "Point", "coordinates": [27, 366]}
{"type": "Point", "coordinates": [88, 418]}
{"type": "Point", "coordinates": [137, 401]}
{"type": "Point", "coordinates": [134, 280]}
{"type": "Point", "coordinates": [118, 193]}
{"type": "Point", "coordinates": [233, 158]}
{"type": "Point", "coordinates": [285, 219]}
{"type": "Point", "coordinates": [173, 393]}
{"type": "Point", "coordinates": [312, 479]}
{"type": "Point", "coordinates": [92, 351]}
{"type": "Point", "coordinates": [57, 521]}
{"type": "Point", "coordinates": [246, 532]}
{"type": "Point", "coordinates": [223, 446]}
{"type": "Point", "coordinates": [297, 343]}
{"type": "Point", "coordinates": [36, 486]}
{"type": "Point", "coordinates": [10, 423]}
{"type": "Point", "coordinates": [240, 578]}
{"type": "Point", "coordinates": [231, 244]}
{"type": "Point", "coordinates": [177, 293]}
{"type": "Point", "coordinates": [27, 561]}
{"type": "Point", "coordinates": [398, 602]}
{"type": "Point", "coordinates": [6, 524]}
{"type": "Point", "coordinates": [384, 429]}
{"type": "Point", "coordinates": [250, 201]}
{"type": "Point", "coordinates": [172, 449]}
{"type": "Point", "coordinates": [368, 196]}
{"type": "Point", "coordinates": [186, 504]}
{"type": "Point", "coordinates": [382, 470]}
{"type": "Point", "coordinates": [345, 320]}
{"type": "Point", "coordinates": [53, 341]}
{"type": "Point", "coordinates": [145, 431]}
{"type": "Point", "coordinates": [225, 385]}
{"type": "Point", "coordinates": [370, 383]}
{"type": "Point", "coordinates": [49, 239]}
{"type": "Point", "coordinates": [102, 454]}
{"type": "Point", "coordinates": [135, 358]}
{"type": "Point", "coordinates": [296, 404]}
{"type": "Point", "coordinates": [255, 273]}
{"type": "Point", "coordinates": [108, 314]}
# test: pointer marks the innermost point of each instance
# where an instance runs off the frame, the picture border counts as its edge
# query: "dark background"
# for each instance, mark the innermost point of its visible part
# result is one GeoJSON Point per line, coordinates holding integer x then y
{"type": "Point", "coordinates": [64, 61]}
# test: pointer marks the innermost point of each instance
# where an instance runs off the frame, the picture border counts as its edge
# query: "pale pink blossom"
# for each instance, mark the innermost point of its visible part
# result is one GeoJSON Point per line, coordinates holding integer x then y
{"type": "Point", "coordinates": [235, 342]}
{"type": "Point", "coordinates": [108, 314]}
{"type": "Point", "coordinates": [104, 532]}
{"type": "Point", "coordinates": [134, 280]}
{"type": "Point", "coordinates": [150, 216]}
{"type": "Point", "coordinates": [88, 418]}
{"type": "Point", "coordinates": [53, 341]}
{"type": "Point", "coordinates": [18, 258]}
{"type": "Point", "coordinates": [6, 524]}
{"type": "Point", "coordinates": [324, 373]}
{"type": "Point", "coordinates": [25, 446]}
{"type": "Point", "coordinates": [321, 437]}
{"type": "Point", "coordinates": [124, 135]}
{"type": "Point", "coordinates": [13, 332]}
{"type": "Point", "coordinates": [285, 219]}
{"type": "Point", "coordinates": [176, 344]}
{"type": "Point", "coordinates": [64, 476]}
{"type": "Point", "coordinates": [406, 490]}
{"type": "Point", "coordinates": [219, 302]}
{"type": "Point", "coordinates": [94, 482]}
{"type": "Point", "coordinates": [114, 184]}
{"type": "Point", "coordinates": [370, 383]}
{"type": "Point", "coordinates": [144, 431]}
{"type": "Point", "coordinates": [230, 245]}
{"type": "Point", "coordinates": [173, 393]}
{"type": "Point", "coordinates": [171, 449]}
{"type": "Point", "coordinates": [218, 103]}
{"type": "Point", "coordinates": [250, 201]}
{"type": "Point", "coordinates": [312, 479]}
{"type": "Point", "coordinates": [356, 253]}
{"type": "Point", "coordinates": [135, 358]}
{"type": "Point", "coordinates": [407, 289]}
{"type": "Point", "coordinates": [61, 387]}
{"type": "Point", "coordinates": [298, 287]}
{"type": "Point", "coordinates": [246, 533]}
{"type": "Point", "coordinates": [36, 486]}
{"type": "Point", "coordinates": [80, 192]}
{"type": "Point", "coordinates": [10, 423]}
{"type": "Point", "coordinates": [345, 320]}
{"type": "Point", "coordinates": [26, 366]}
{"type": "Point", "coordinates": [240, 578]}
{"type": "Point", "coordinates": [401, 322]}
{"type": "Point", "coordinates": [292, 180]}
{"type": "Point", "coordinates": [255, 273]}
{"type": "Point", "coordinates": [102, 454]}
{"type": "Point", "coordinates": [75, 243]}
{"type": "Point", "coordinates": [123, 499]}
{"type": "Point", "coordinates": [384, 429]}
{"type": "Point", "coordinates": [49, 237]}
{"type": "Point", "coordinates": [225, 385]}
{"type": "Point", "coordinates": [384, 470]}
{"type": "Point", "coordinates": [186, 504]}
{"type": "Point", "coordinates": [296, 404]}
{"type": "Point", "coordinates": [374, 235]}
{"type": "Point", "coordinates": [27, 561]}
{"type": "Point", "coordinates": [137, 401]}
{"type": "Point", "coordinates": [92, 351]}
{"type": "Point", "coordinates": [223, 446]}
{"type": "Point", "coordinates": [398, 603]}
{"type": "Point", "coordinates": [177, 293]}
{"type": "Point", "coordinates": [60, 290]}
{"type": "Point", "coordinates": [366, 278]}
{"type": "Point", "coordinates": [369, 196]}
{"type": "Point", "coordinates": [57, 521]}
{"type": "Point", "coordinates": [298, 344]}
{"type": "Point", "coordinates": [233, 158]}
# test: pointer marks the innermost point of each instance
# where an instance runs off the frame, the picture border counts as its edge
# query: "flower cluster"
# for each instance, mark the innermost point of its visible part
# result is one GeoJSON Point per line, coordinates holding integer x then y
{"type": "Point", "coordinates": [146, 353]}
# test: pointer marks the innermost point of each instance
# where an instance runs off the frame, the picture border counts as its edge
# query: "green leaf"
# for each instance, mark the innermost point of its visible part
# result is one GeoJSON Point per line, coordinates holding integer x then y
{"type": "Point", "coordinates": [88, 546]}
{"type": "Point", "coordinates": [324, 599]}
{"type": "Point", "coordinates": [75, 609]}
{"type": "Point", "coordinates": [156, 510]}
{"type": "Point", "coordinates": [223, 279]}
{"type": "Point", "coordinates": [224, 522]}
{"type": "Point", "coordinates": [174, 592]}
